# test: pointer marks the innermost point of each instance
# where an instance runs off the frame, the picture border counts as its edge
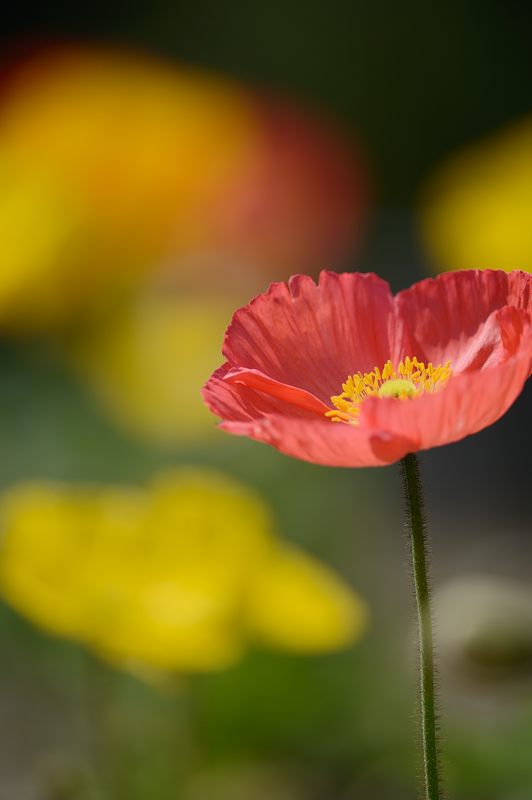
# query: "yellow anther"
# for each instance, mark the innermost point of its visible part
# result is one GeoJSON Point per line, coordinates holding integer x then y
{"type": "Point", "coordinates": [411, 379]}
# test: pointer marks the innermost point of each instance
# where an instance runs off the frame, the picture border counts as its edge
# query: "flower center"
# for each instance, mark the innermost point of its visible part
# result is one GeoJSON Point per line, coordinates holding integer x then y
{"type": "Point", "coordinates": [397, 388]}
{"type": "Point", "coordinates": [410, 379]}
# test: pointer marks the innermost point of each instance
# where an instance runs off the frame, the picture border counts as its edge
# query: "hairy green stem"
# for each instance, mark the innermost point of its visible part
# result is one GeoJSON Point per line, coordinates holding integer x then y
{"type": "Point", "coordinates": [417, 530]}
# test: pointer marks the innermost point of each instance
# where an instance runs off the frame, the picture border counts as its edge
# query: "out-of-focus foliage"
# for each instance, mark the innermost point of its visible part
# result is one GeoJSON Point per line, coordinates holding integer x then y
{"type": "Point", "coordinates": [485, 625]}
{"type": "Point", "coordinates": [246, 781]}
{"type": "Point", "coordinates": [176, 577]}
{"type": "Point", "coordinates": [476, 210]}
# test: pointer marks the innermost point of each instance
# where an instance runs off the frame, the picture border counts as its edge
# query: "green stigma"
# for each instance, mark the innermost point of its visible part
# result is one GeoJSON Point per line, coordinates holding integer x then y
{"type": "Point", "coordinates": [397, 388]}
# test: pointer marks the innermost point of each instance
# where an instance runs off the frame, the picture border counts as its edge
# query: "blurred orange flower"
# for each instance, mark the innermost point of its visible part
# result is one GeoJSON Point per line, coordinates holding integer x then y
{"type": "Point", "coordinates": [141, 165]}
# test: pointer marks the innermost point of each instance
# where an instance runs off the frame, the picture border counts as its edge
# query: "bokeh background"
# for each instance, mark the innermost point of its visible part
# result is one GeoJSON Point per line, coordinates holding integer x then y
{"type": "Point", "coordinates": [160, 164]}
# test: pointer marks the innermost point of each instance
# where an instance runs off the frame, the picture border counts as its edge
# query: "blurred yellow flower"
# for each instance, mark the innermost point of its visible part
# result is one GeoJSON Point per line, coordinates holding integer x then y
{"type": "Point", "coordinates": [133, 149]}
{"type": "Point", "coordinates": [476, 211]}
{"type": "Point", "coordinates": [181, 576]}
{"type": "Point", "coordinates": [41, 228]}
{"type": "Point", "coordinates": [147, 362]}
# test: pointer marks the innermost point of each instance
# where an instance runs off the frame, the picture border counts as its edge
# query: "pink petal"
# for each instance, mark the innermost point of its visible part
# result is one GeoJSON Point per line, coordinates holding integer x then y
{"type": "Point", "coordinates": [291, 395]}
{"type": "Point", "coordinates": [236, 402]}
{"type": "Point", "coordinates": [321, 441]}
{"type": "Point", "coordinates": [495, 340]}
{"type": "Point", "coordinates": [314, 336]}
{"type": "Point", "coordinates": [450, 317]}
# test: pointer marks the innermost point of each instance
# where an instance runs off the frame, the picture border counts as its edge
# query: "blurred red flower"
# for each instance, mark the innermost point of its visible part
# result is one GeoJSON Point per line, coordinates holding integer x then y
{"type": "Point", "coordinates": [452, 354]}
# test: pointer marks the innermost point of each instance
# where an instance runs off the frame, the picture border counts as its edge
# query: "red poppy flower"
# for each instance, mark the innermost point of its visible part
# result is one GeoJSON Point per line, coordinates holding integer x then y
{"type": "Point", "coordinates": [345, 374]}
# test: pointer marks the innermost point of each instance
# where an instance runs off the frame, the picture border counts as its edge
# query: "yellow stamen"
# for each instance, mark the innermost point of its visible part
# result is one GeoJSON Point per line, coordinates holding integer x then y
{"type": "Point", "coordinates": [411, 379]}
